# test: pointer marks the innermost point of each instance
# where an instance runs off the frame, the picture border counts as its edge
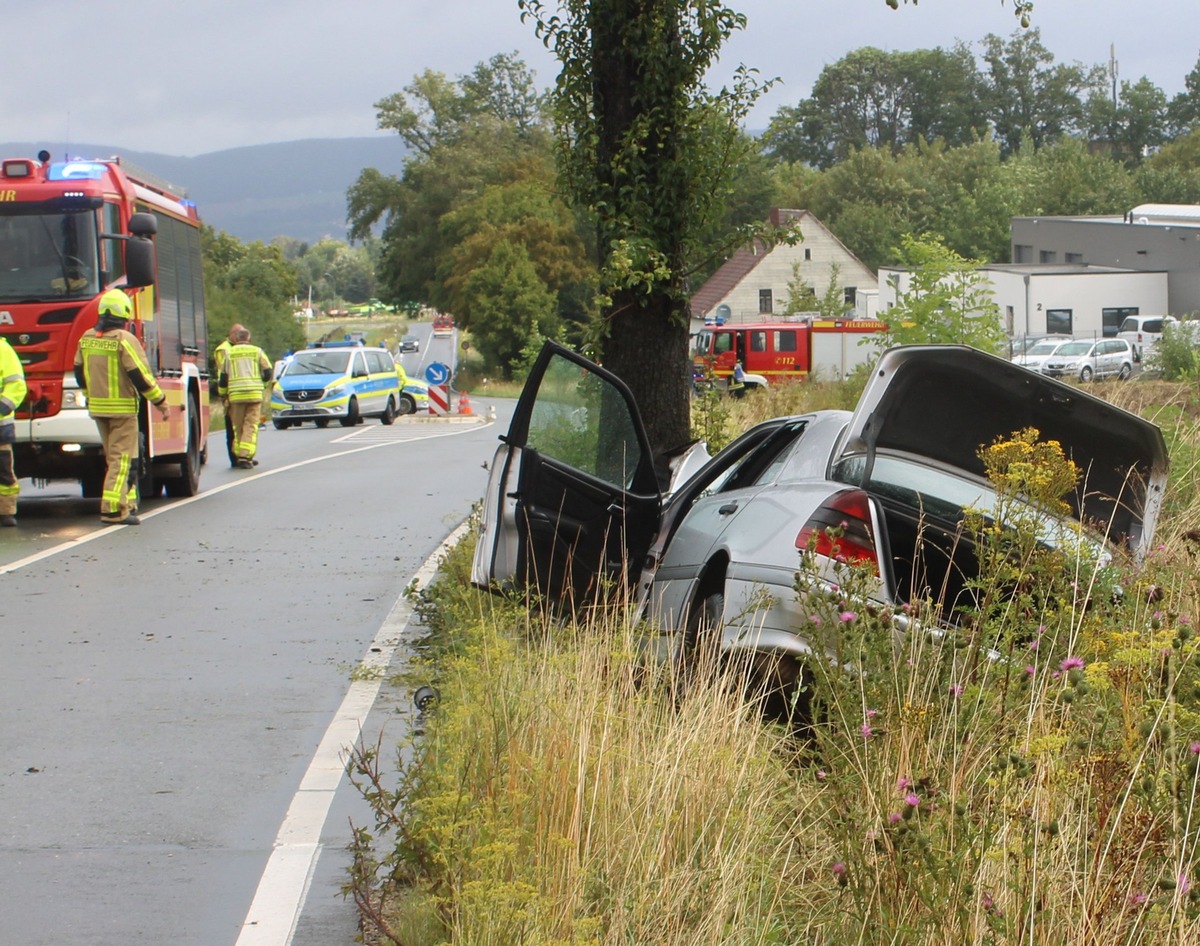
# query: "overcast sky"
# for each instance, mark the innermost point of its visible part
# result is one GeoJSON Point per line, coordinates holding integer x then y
{"type": "Point", "coordinates": [187, 77]}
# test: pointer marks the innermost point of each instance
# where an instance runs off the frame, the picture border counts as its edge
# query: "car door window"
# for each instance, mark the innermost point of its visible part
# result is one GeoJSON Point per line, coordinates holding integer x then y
{"type": "Point", "coordinates": [582, 422]}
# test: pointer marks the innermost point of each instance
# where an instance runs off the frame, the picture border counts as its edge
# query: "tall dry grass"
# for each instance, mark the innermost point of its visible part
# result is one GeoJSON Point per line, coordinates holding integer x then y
{"type": "Point", "coordinates": [1033, 778]}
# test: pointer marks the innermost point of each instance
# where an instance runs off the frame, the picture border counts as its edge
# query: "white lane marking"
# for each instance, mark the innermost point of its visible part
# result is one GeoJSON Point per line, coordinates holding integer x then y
{"type": "Point", "coordinates": [283, 887]}
{"type": "Point", "coordinates": [102, 531]}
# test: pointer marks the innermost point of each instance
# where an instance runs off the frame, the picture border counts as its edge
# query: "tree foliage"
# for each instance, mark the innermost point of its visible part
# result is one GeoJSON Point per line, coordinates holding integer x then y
{"type": "Point", "coordinates": [650, 151]}
{"type": "Point", "coordinates": [251, 284]}
{"type": "Point", "coordinates": [947, 300]}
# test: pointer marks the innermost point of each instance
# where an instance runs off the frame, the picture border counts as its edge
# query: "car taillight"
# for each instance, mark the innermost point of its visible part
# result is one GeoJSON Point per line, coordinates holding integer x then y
{"type": "Point", "coordinates": [841, 529]}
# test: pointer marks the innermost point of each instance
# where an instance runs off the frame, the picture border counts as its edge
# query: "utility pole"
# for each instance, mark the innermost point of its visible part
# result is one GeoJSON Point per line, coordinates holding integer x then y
{"type": "Point", "coordinates": [1113, 70]}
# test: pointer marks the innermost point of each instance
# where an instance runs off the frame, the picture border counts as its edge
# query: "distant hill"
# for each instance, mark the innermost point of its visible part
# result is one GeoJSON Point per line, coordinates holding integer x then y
{"type": "Point", "coordinates": [291, 188]}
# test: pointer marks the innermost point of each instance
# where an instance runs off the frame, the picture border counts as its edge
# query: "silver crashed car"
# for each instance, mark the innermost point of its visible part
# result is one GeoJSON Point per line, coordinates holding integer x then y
{"type": "Point", "coordinates": [576, 505]}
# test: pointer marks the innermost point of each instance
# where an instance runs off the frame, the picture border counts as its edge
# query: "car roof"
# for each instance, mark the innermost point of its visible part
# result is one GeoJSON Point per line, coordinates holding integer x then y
{"type": "Point", "coordinates": [907, 408]}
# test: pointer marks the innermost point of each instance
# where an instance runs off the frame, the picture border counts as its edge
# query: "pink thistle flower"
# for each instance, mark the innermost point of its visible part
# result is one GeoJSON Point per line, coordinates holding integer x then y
{"type": "Point", "coordinates": [814, 618]}
{"type": "Point", "coordinates": [1185, 884]}
{"type": "Point", "coordinates": [902, 783]}
{"type": "Point", "coordinates": [1137, 899]}
{"type": "Point", "coordinates": [847, 616]}
{"type": "Point", "coordinates": [895, 817]}
{"type": "Point", "coordinates": [871, 714]}
{"type": "Point", "coordinates": [956, 690]}
{"type": "Point", "coordinates": [839, 873]}
{"type": "Point", "coordinates": [1030, 670]}
{"type": "Point", "coordinates": [1194, 748]}
{"type": "Point", "coordinates": [866, 731]}
{"type": "Point", "coordinates": [1071, 663]}
{"type": "Point", "coordinates": [912, 799]}
{"type": "Point", "coordinates": [821, 775]}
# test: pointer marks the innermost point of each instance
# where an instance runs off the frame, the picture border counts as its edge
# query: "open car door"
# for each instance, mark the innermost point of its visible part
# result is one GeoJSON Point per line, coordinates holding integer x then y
{"type": "Point", "coordinates": [573, 502]}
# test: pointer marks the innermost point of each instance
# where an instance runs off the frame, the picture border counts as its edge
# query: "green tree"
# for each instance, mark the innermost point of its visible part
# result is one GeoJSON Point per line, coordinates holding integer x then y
{"type": "Point", "coordinates": [509, 303]}
{"type": "Point", "coordinates": [464, 136]}
{"type": "Point", "coordinates": [524, 212]}
{"type": "Point", "coordinates": [875, 99]}
{"type": "Point", "coordinates": [947, 300]}
{"type": "Point", "coordinates": [1029, 98]}
{"type": "Point", "coordinates": [1183, 112]}
{"type": "Point", "coordinates": [649, 150]}
{"type": "Point", "coordinates": [1131, 126]}
{"type": "Point", "coordinates": [250, 284]}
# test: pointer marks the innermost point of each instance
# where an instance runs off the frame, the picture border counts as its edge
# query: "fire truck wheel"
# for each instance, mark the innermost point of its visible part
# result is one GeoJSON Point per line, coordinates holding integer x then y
{"type": "Point", "coordinates": [187, 483]}
{"type": "Point", "coordinates": [148, 486]}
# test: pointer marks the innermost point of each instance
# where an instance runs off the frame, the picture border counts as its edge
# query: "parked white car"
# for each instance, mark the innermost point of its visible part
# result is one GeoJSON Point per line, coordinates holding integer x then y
{"type": "Point", "coordinates": [1039, 353]}
{"type": "Point", "coordinates": [1143, 332]}
{"type": "Point", "coordinates": [1085, 359]}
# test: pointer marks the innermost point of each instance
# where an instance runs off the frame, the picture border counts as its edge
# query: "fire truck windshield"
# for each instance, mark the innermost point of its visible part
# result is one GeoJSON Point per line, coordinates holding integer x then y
{"type": "Point", "coordinates": [47, 255]}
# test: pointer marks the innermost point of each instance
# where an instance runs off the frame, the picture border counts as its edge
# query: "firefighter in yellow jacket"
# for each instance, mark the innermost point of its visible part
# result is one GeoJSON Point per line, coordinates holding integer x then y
{"type": "Point", "coordinates": [12, 393]}
{"type": "Point", "coordinates": [111, 367]}
{"type": "Point", "coordinates": [246, 371]}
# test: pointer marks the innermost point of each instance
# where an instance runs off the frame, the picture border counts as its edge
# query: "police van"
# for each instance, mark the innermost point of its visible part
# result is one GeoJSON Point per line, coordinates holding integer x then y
{"type": "Point", "coordinates": [342, 381]}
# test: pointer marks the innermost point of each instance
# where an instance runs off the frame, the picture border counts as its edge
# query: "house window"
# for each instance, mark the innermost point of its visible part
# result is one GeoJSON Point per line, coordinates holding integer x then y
{"type": "Point", "coordinates": [1111, 318]}
{"type": "Point", "coordinates": [1058, 321]}
{"type": "Point", "coordinates": [1022, 253]}
{"type": "Point", "coordinates": [850, 294]}
{"type": "Point", "coordinates": [764, 300]}
{"type": "Point", "coordinates": [1074, 258]}
{"type": "Point", "coordinates": [807, 254]}
{"type": "Point", "coordinates": [1009, 320]}
{"type": "Point", "coordinates": [1047, 256]}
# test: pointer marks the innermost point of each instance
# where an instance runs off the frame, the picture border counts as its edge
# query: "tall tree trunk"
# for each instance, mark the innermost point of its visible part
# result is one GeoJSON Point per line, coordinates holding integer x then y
{"type": "Point", "coordinates": [636, 66]}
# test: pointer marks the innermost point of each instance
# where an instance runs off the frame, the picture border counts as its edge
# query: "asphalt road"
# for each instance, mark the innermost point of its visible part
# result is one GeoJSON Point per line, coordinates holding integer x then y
{"type": "Point", "coordinates": [177, 696]}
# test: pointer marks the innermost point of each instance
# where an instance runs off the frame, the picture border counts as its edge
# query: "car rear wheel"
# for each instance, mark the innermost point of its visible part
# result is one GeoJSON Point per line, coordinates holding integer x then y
{"type": "Point", "coordinates": [388, 417]}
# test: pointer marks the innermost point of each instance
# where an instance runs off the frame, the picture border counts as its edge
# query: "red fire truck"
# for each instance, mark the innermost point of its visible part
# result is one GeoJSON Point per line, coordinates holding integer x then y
{"type": "Point", "coordinates": [443, 324]}
{"type": "Point", "coordinates": [785, 350]}
{"type": "Point", "coordinates": [69, 231]}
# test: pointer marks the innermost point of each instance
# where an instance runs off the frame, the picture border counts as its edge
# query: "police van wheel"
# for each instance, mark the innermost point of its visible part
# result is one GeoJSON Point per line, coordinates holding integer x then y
{"type": "Point", "coordinates": [322, 422]}
{"type": "Point", "coordinates": [281, 424]}
{"type": "Point", "coordinates": [407, 404]}
{"type": "Point", "coordinates": [351, 417]}
{"type": "Point", "coordinates": [388, 417]}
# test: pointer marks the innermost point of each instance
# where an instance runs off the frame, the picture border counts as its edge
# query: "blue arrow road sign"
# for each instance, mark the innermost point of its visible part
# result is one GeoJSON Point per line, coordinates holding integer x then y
{"type": "Point", "coordinates": [437, 373]}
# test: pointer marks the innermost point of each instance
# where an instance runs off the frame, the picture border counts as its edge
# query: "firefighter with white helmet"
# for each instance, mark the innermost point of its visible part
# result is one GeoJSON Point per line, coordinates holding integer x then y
{"type": "Point", "coordinates": [111, 367]}
{"type": "Point", "coordinates": [12, 393]}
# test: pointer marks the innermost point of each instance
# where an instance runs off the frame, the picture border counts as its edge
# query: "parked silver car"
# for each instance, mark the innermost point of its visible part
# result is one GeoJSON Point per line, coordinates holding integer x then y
{"type": "Point", "coordinates": [574, 505]}
{"type": "Point", "coordinates": [1040, 352]}
{"type": "Point", "coordinates": [1085, 359]}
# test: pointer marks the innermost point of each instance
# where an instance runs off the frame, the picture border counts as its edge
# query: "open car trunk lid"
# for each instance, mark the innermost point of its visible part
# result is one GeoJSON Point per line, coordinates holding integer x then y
{"type": "Point", "coordinates": [945, 402]}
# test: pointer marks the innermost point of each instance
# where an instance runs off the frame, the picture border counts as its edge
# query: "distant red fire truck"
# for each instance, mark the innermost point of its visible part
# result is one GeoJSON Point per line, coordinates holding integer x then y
{"type": "Point", "coordinates": [69, 231]}
{"type": "Point", "coordinates": [443, 324]}
{"type": "Point", "coordinates": [786, 350]}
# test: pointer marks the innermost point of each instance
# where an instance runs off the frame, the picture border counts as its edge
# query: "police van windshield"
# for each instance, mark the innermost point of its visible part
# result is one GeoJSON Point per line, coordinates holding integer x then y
{"type": "Point", "coordinates": [319, 362]}
{"type": "Point", "coordinates": [47, 256]}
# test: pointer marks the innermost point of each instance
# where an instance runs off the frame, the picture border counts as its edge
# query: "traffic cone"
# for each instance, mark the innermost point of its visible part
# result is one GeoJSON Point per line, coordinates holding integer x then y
{"type": "Point", "coordinates": [464, 403]}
